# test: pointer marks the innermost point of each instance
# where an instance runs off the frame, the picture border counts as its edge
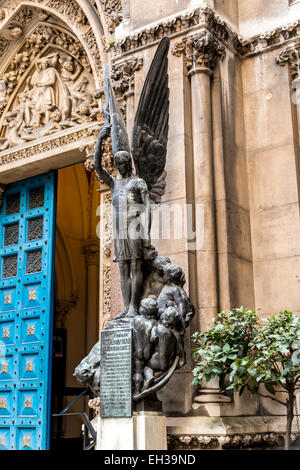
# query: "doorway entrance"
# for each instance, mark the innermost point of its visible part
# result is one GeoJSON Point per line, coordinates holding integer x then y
{"type": "Point", "coordinates": [49, 297]}
{"type": "Point", "coordinates": [76, 297]}
{"type": "Point", "coordinates": [27, 240]}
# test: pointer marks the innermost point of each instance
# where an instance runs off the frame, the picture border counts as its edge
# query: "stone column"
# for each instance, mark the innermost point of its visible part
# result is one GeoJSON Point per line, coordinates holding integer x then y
{"type": "Point", "coordinates": [224, 299]}
{"type": "Point", "coordinates": [90, 249]}
{"type": "Point", "coordinates": [291, 56]}
{"type": "Point", "coordinates": [129, 97]}
{"type": "Point", "coordinates": [202, 52]}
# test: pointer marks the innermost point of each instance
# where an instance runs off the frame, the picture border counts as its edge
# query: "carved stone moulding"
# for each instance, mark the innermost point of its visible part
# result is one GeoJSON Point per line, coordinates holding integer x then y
{"type": "Point", "coordinates": [291, 57]}
{"type": "Point", "coordinates": [122, 74]}
{"type": "Point", "coordinates": [49, 54]}
{"type": "Point", "coordinates": [176, 25]}
{"type": "Point", "coordinates": [113, 13]}
{"type": "Point", "coordinates": [108, 159]}
{"type": "Point", "coordinates": [234, 441]}
{"type": "Point", "coordinates": [106, 296]}
{"type": "Point", "coordinates": [205, 17]}
{"type": "Point", "coordinates": [52, 152]}
{"type": "Point", "coordinates": [200, 50]}
{"type": "Point", "coordinates": [71, 9]}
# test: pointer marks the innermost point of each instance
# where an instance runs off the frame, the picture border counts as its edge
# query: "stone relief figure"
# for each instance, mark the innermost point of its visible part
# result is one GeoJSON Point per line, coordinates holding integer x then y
{"type": "Point", "coordinates": [156, 305]}
{"type": "Point", "coordinates": [41, 92]}
{"type": "Point", "coordinates": [56, 96]}
{"type": "Point", "coordinates": [12, 133]}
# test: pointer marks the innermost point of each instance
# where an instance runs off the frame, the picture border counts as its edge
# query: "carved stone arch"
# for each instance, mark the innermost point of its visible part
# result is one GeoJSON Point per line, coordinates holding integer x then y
{"type": "Point", "coordinates": [79, 16]}
{"type": "Point", "coordinates": [111, 14]}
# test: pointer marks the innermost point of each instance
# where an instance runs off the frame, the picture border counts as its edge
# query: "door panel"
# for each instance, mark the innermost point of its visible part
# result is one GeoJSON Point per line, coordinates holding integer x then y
{"type": "Point", "coordinates": [27, 245]}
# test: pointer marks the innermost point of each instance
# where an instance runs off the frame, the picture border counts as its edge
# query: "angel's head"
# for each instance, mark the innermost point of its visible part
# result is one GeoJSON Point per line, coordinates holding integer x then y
{"type": "Point", "coordinates": [123, 163]}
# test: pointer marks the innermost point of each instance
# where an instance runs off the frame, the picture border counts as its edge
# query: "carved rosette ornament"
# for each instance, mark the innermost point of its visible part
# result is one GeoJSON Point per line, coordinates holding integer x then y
{"type": "Point", "coordinates": [201, 50]}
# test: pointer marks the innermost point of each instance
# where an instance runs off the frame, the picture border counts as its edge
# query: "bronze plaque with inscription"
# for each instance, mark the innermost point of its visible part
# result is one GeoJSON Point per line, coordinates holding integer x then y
{"type": "Point", "coordinates": [116, 373]}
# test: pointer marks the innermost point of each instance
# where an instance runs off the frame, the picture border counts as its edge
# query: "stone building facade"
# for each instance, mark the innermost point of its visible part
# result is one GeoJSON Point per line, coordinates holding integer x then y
{"type": "Point", "coordinates": [233, 152]}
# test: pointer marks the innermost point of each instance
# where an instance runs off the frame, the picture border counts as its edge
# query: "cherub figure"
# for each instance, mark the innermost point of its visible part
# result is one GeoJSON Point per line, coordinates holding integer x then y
{"type": "Point", "coordinates": [167, 344]}
{"type": "Point", "coordinates": [174, 294]}
{"type": "Point", "coordinates": [131, 193]}
{"type": "Point", "coordinates": [154, 276]}
{"type": "Point", "coordinates": [85, 110]}
{"type": "Point", "coordinates": [142, 327]}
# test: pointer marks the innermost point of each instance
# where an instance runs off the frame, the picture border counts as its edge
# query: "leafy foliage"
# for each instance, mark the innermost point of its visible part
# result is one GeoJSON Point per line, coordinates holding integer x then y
{"type": "Point", "coordinates": [244, 352]}
{"type": "Point", "coordinates": [273, 357]}
{"type": "Point", "coordinates": [219, 347]}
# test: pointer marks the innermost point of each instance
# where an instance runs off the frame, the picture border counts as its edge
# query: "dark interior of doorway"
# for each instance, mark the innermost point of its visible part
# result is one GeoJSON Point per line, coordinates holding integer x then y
{"type": "Point", "coordinates": [70, 336]}
{"type": "Point", "coordinates": [59, 392]}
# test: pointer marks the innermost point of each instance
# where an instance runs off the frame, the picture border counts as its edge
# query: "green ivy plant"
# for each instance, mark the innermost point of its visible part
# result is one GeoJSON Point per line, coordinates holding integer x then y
{"type": "Point", "coordinates": [244, 351]}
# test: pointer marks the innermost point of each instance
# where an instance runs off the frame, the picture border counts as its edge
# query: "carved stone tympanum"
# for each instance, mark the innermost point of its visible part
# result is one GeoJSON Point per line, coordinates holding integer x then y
{"type": "Point", "coordinates": [57, 95]}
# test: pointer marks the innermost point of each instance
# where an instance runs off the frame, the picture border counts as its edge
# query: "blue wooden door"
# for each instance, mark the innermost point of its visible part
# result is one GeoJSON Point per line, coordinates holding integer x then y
{"type": "Point", "coordinates": [27, 245]}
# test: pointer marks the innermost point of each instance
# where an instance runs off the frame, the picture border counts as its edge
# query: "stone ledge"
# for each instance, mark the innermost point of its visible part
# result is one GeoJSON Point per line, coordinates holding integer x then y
{"type": "Point", "coordinates": [202, 425]}
{"type": "Point", "coordinates": [189, 21]}
{"type": "Point", "coordinates": [243, 432]}
{"type": "Point", "coordinates": [258, 441]}
{"type": "Point", "coordinates": [60, 150]}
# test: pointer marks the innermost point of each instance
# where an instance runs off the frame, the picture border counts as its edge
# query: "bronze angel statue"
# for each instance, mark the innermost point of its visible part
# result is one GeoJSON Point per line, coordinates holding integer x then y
{"type": "Point", "coordinates": [132, 193]}
{"type": "Point", "coordinates": [155, 302]}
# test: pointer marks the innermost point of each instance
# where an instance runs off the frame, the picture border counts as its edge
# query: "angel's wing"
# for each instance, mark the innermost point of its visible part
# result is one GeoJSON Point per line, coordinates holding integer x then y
{"type": "Point", "coordinates": [151, 124]}
{"type": "Point", "coordinates": [119, 136]}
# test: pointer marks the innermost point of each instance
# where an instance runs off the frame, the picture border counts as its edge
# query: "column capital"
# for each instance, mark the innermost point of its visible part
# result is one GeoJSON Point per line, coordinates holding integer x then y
{"type": "Point", "coordinates": [291, 57]}
{"type": "Point", "coordinates": [91, 251]}
{"type": "Point", "coordinates": [201, 52]}
{"type": "Point", "coordinates": [122, 75]}
{"type": "Point", "coordinates": [63, 308]}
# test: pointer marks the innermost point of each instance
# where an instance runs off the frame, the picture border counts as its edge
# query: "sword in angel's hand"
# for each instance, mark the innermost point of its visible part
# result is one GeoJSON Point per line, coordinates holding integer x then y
{"type": "Point", "coordinates": [105, 108]}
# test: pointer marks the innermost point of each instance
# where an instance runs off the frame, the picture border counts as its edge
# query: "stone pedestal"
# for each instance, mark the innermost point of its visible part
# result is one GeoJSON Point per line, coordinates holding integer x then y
{"type": "Point", "coordinates": [146, 430]}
